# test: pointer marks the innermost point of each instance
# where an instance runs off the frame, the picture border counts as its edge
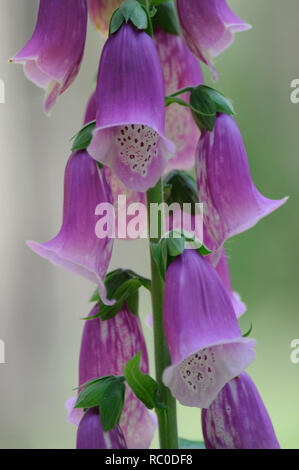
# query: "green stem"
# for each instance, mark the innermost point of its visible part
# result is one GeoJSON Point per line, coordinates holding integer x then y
{"type": "Point", "coordinates": [166, 418]}
{"type": "Point", "coordinates": [181, 91]}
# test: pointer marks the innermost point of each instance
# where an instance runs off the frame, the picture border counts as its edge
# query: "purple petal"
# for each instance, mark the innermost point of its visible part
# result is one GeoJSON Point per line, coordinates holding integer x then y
{"type": "Point", "coordinates": [208, 27]}
{"type": "Point", "coordinates": [180, 70]}
{"type": "Point", "coordinates": [238, 419]}
{"type": "Point", "coordinates": [76, 247]}
{"type": "Point", "coordinates": [202, 332]}
{"type": "Point", "coordinates": [105, 349]}
{"type": "Point", "coordinates": [129, 135]}
{"type": "Point", "coordinates": [90, 434]}
{"type": "Point", "coordinates": [232, 204]}
{"type": "Point", "coordinates": [100, 12]}
{"type": "Point", "coordinates": [53, 55]}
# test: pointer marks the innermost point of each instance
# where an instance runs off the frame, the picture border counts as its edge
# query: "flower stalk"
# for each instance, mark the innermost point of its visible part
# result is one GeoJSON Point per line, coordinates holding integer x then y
{"type": "Point", "coordinates": [167, 420]}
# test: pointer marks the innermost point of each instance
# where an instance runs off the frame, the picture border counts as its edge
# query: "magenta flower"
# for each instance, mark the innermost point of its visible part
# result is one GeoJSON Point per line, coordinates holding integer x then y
{"type": "Point", "coordinates": [202, 332]}
{"type": "Point", "coordinates": [232, 204]}
{"type": "Point", "coordinates": [100, 12]}
{"type": "Point", "coordinates": [53, 55]}
{"type": "Point", "coordinates": [90, 434]}
{"type": "Point", "coordinates": [208, 27]}
{"type": "Point", "coordinates": [105, 349]}
{"type": "Point", "coordinates": [117, 187]}
{"type": "Point", "coordinates": [238, 419]}
{"type": "Point", "coordinates": [76, 247]}
{"type": "Point", "coordinates": [129, 135]}
{"type": "Point", "coordinates": [180, 70]}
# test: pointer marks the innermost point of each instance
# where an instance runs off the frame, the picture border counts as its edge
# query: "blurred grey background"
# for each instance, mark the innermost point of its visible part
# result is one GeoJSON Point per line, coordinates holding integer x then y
{"type": "Point", "coordinates": [41, 305]}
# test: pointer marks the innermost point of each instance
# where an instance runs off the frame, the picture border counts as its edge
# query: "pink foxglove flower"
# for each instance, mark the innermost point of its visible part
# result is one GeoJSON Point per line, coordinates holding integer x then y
{"type": "Point", "coordinates": [76, 247]}
{"type": "Point", "coordinates": [105, 349]}
{"type": "Point", "coordinates": [180, 70]}
{"type": "Point", "coordinates": [90, 434]}
{"type": "Point", "coordinates": [129, 135]}
{"type": "Point", "coordinates": [238, 419]}
{"type": "Point", "coordinates": [202, 332]}
{"type": "Point", "coordinates": [209, 27]}
{"type": "Point", "coordinates": [53, 55]}
{"type": "Point", "coordinates": [121, 194]}
{"type": "Point", "coordinates": [232, 204]}
{"type": "Point", "coordinates": [100, 12]}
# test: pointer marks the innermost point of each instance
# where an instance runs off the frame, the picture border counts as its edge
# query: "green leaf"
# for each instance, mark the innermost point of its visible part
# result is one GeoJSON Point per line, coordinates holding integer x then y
{"type": "Point", "coordinates": [84, 136]}
{"type": "Point", "coordinates": [181, 188]}
{"type": "Point", "coordinates": [131, 10]}
{"type": "Point", "coordinates": [122, 285]}
{"type": "Point", "coordinates": [160, 254]}
{"type": "Point", "coordinates": [203, 108]}
{"type": "Point", "coordinates": [248, 332]}
{"type": "Point", "coordinates": [112, 405]}
{"type": "Point", "coordinates": [166, 18]}
{"type": "Point", "coordinates": [144, 386]}
{"type": "Point", "coordinates": [186, 444]}
{"type": "Point", "coordinates": [175, 246]}
{"type": "Point", "coordinates": [223, 104]}
{"type": "Point", "coordinates": [108, 393]}
{"type": "Point", "coordinates": [117, 19]}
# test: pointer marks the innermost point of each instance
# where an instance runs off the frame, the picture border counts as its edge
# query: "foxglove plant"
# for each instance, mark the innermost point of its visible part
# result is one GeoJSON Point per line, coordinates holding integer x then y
{"type": "Point", "coordinates": [150, 96]}
{"type": "Point", "coordinates": [53, 55]}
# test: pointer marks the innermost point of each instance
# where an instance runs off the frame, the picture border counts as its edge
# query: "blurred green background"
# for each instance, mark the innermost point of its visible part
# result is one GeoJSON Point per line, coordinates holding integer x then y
{"type": "Point", "coordinates": [41, 305]}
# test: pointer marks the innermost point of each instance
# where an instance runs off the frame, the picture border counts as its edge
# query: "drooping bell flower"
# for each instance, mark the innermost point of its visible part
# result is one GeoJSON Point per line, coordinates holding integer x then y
{"type": "Point", "coordinates": [232, 204]}
{"type": "Point", "coordinates": [238, 419]}
{"type": "Point", "coordinates": [105, 349]}
{"type": "Point", "coordinates": [53, 55]}
{"type": "Point", "coordinates": [180, 70]}
{"type": "Point", "coordinates": [129, 135]}
{"type": "Point", "coordinates": [90, 434]}
{"type": "Point", "coordinates": [208, 27]}
{"type": "Point", "coordinates": [202, 332]}
{"type": "Point", "coordinates": [100, 12]}
{"type": "Point", "coordinates": [123, 197]}
{"type": "Point", "coordinates": [76, 247]}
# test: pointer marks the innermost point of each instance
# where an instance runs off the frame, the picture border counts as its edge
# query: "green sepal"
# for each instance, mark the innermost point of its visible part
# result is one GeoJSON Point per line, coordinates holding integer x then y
{"type": "Point", "coordinates": [223, 104]}
{"type": "Point", "coordinates": [122, 286]}
{"type": "Point", "coordinates": [203, 108]}
{"type": "Point", "coordinates": [187, 444]}
{"type": "Point", "coordinates": [166, 18]}
{"type": "Point", "coordinates": [134, 11]}
{"type": "Point", "coordinates": [248, 332]}
{"type": "Point", "coordinates": [144, 387]}
{"type": "Point", "coordinates": [205, 103]}
{"type": "Point", "coordinates": [84, 137]}
{"type": "Point", "coordinates": [167, 249]}
{"type": "Point", "coordinates": [107, 393]}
